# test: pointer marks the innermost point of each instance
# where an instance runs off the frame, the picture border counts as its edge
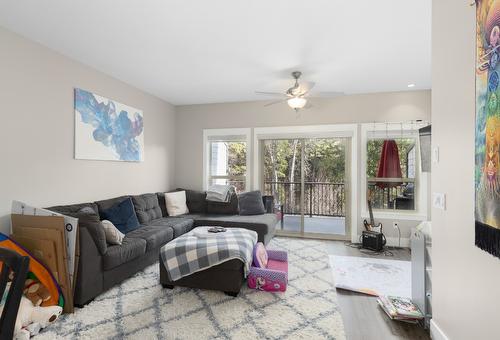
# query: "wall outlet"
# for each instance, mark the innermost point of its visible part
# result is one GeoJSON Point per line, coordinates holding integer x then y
{"type": "Point", "coordinates": [439, 200]}
{"type": "Point", "coordinates": [395, 225]}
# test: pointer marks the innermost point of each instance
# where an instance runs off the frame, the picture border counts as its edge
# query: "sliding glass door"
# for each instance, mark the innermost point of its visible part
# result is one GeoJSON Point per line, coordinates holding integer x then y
{"type": "Point", "coordinates": [308, 179]}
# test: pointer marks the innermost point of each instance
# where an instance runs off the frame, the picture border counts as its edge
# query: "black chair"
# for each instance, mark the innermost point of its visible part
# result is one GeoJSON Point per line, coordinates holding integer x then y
{"type": "Point", "coordinates": [18, 265]}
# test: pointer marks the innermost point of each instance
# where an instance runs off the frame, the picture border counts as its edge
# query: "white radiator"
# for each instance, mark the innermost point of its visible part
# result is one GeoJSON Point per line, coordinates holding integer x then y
{"type": "Point", "coordinates": [421, 269]}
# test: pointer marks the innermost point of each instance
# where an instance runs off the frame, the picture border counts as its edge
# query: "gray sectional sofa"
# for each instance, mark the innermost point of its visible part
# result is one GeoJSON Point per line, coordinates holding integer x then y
{"type": "Point", "coordinates": [101, 265]}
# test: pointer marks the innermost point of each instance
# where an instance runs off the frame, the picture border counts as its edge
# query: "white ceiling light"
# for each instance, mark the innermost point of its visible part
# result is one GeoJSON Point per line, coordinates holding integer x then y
{"type": "Point", "coordinates": [297, 103]}
{"type": "Point", "coordinates": [411, 85]}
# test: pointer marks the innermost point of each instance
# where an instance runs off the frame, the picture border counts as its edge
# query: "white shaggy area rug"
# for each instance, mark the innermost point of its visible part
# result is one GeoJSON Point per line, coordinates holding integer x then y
{"type": "Point", "coordinates": [140, 308]}
{"type": "Point", "coordinates": [372, 276]}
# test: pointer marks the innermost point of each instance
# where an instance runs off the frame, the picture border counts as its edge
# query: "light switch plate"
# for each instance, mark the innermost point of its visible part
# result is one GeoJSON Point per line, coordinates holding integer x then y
{"type": "Point", "coordinates": [435, 154]}
{"type": "Point", "coordinates": [439, 200]}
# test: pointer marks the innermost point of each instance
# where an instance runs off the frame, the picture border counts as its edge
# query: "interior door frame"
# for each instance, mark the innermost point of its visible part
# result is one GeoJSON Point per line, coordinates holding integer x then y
{"type": "Point", "coordinates": [349, 131]}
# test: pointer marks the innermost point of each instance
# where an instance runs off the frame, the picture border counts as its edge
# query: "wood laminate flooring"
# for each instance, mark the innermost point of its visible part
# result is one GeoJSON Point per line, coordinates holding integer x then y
{"type": "Point", "coordinates": [363, 318]}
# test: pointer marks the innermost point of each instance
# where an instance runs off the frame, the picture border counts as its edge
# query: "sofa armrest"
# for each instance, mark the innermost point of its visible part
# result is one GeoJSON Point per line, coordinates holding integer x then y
{"type": "Point", "coordinates": [277, 255]}
{"type": "Point", "coordinates": [268, 274]}
{"type": "Point", "coordinates": [89, 279]}
{"type": "Point", "coordinates": [92, 224]}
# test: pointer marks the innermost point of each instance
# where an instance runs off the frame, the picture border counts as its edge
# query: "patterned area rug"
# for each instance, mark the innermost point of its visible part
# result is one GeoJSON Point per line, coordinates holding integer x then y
{"type": "Point", "coordinates": [140, 308]}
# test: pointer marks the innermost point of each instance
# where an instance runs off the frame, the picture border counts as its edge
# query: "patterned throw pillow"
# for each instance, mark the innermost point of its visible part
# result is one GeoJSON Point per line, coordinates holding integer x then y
{"type": "Point", "coordinates": [113, 235]}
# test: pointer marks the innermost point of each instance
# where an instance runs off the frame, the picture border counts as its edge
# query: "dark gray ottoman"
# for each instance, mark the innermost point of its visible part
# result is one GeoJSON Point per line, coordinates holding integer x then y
{"type": "Point", "coordinates": [227, 277]}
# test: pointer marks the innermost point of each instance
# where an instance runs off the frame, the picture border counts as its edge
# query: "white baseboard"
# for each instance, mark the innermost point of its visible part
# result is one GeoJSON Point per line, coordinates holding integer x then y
{"type": "Point", "coordinates": [394, 242]}
{"type": "Point", "coordinates": [436, 332]}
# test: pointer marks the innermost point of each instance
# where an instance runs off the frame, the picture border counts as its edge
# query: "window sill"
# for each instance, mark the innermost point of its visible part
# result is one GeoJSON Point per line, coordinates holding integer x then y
{"type": "Point", "coordinates": [389, 215]}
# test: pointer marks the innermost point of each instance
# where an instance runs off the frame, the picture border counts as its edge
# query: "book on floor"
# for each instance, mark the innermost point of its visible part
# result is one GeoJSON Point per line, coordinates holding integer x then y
{"type": "Point", "coordinates": [400, 308]}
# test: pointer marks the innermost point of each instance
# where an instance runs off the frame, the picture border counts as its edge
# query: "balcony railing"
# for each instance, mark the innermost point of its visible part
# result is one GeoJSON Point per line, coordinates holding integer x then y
{"type": "Point", "coordinates": [397, 196]}
{"type": "Point", "coordinates": [320, 198]}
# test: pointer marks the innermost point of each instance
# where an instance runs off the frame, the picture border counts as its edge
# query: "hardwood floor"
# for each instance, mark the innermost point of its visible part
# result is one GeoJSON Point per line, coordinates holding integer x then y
{"type": "Point", "coordinates": [363, 318]}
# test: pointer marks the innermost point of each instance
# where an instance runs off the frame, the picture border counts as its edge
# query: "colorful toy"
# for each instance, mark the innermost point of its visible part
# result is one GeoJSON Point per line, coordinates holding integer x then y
{"type": "Point", "coordinates": [39, 271]}
{"type": "Point", "coordinates": [269, 271]}
{"type": "Point", "coordinates": [31, 319]}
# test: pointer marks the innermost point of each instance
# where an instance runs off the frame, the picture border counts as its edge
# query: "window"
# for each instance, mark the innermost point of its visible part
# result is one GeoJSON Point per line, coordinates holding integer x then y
{"type": "Point", "coordinates": [226, 159]}
{"type": "Point", "coordinates": [228, 163]}
{"type": "Point", "coordinates": [390, 172]}
{"type": "Point", "coordinates": [392, 178]}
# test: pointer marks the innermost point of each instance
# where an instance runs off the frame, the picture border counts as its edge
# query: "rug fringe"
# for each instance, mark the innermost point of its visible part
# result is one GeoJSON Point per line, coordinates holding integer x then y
{"type": "Point", "coordinates": [488, 238]}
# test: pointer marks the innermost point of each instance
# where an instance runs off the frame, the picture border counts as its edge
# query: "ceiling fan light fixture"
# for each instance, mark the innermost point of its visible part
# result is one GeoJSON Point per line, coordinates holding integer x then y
{"type": "Point", "coordinates": [297, 102]}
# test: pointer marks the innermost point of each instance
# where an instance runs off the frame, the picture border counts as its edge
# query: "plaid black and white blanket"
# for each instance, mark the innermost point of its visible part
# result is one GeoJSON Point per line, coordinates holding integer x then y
{"type": "Point", "coordinates": [198, 250]}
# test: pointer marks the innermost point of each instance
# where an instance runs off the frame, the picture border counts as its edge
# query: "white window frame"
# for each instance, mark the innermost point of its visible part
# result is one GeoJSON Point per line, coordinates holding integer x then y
{"type": "Point", "coordinates": [314, 131]}
{"type": "Point", "coordinates": [393, 130]}
{"type": "Point", "coordinates": [230, 134]}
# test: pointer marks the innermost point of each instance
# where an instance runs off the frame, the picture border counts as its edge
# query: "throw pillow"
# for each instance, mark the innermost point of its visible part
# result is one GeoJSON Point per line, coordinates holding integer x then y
{"type": "Point", "coordinates": [176, 203]}
{"type": "Point", "coordinates": [122, 215]}
{"type": "Point", "coordinates": [113, 235]}
{"type": "Point", "coordinates": [250, 203]}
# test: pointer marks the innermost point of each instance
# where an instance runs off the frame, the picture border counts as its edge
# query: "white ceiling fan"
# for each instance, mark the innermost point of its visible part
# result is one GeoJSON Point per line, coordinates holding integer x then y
{"type": "Point", "coordinates": [297, 96]}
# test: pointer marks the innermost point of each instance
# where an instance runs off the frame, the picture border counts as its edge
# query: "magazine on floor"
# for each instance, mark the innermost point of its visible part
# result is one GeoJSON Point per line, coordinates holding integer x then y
{"type": "Point", "coordinates": [400, 308]}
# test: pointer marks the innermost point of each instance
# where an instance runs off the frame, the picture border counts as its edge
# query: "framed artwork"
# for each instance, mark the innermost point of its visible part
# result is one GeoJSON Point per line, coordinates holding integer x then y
{"type": "Point", "coordinates": [487, 140]}
{"type": "Point", "coordinates": [106, 129]}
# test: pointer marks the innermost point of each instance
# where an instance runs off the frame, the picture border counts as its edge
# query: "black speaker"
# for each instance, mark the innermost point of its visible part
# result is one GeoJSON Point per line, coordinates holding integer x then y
{"type": "Point", "coordinates": [373, 240]}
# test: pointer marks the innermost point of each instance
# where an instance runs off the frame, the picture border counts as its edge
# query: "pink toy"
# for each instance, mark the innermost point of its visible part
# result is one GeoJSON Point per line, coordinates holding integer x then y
{"type": "Point", "coordinates": [274, 276]}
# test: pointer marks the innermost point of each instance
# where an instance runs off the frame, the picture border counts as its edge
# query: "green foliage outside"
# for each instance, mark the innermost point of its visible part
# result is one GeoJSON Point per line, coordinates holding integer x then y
{"type": "Point", "coordinates": [324, 160]}
{"type": "Point", "coordinates": [237, 155]}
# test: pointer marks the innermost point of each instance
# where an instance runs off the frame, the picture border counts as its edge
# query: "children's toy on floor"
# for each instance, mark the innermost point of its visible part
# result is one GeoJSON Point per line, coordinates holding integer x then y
{"type": "Point", "coordinates": [30, 318]}
{"type": "Point", "coordinates": [269, 271]}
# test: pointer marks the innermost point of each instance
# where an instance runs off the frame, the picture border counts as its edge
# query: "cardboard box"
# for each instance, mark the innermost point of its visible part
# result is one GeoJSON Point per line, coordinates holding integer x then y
{"type": "Point", "coordinates": [49, 228]}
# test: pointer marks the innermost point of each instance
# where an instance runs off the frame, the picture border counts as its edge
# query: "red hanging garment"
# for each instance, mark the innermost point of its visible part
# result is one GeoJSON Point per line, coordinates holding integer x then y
{"type": "Point", "coordinates": [389, 166]}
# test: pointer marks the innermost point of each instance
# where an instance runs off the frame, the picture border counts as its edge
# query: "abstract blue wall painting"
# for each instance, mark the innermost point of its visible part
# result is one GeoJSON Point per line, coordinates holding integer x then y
{"type": "Point", "coordinates": [106, 129]}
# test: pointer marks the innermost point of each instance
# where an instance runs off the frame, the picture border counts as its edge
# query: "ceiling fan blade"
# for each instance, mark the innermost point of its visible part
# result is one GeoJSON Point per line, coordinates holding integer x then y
{"type": "Point", "coordinates": [306, 86]}
{"type": "Point", "coordinates": [331, 94]}
{"type": "Point", "coordinates": [275, 94]}
{"type": "Point", "coordinates": [275, 102]}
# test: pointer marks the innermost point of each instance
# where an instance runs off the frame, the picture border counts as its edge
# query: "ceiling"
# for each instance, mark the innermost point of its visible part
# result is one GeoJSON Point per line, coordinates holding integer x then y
{"type": "Point", "coordinates": [192, 52]}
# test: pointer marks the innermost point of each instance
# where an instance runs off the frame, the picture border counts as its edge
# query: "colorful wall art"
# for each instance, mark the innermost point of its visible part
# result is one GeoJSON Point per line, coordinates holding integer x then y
{"type": "Point", "coordinates": [487, 166]}
{"type": "Point", "coordinates": [106, 129]}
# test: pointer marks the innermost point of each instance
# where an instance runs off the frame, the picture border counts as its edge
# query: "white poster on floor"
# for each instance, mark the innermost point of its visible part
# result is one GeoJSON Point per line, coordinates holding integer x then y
{"type": "Point", "coordinates": [70, 223]}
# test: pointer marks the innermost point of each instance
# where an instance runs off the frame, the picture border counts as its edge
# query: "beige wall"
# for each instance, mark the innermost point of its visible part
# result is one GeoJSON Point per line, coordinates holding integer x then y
{"type": "Point", "coordinates": [37, 132]}
{"type": "Point", "coordinates": [465, 278]}
{"type": "Point", "coordinates": [381, 107]}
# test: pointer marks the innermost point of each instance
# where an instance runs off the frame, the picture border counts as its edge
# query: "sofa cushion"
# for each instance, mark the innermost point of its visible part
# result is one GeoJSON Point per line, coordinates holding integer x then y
{"type": "Point", "coordinates": [146, 207]}
{"type": "Point", "coordinates": [122, 215]}
{"type": "Point", "coordinates": [155, 236]}
{"type": "Point", "coordinates": [179, 225]}
{"type": "Point", "coordinates": [130, 249]}
{"type": "Point", "coordinates": [87, 218]}
{"type": "Point", "coordinates": [250, 203]}
{"type": "Point", "coordinates": [106, 204]}
{"type": "Point", "coordinates": [75, 208]}
{"type": "Point", "coordinates": [229, 208]}
{"type": "Point", "coordinates": [162, 204]}
{"type": "Point", "coordinates": [196, 201]}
